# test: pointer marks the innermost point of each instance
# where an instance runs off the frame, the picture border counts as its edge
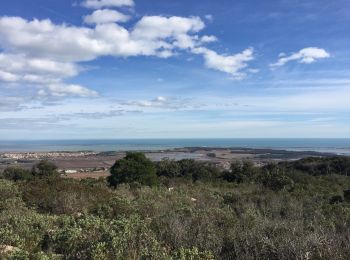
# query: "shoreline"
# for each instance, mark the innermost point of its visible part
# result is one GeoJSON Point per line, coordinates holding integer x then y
{"type": "Point", "coordinates": [90, 159]}
{"type": "Point", "coordinates": [340, 146]}
{"type": "Point", "coordinates": [189, 150]}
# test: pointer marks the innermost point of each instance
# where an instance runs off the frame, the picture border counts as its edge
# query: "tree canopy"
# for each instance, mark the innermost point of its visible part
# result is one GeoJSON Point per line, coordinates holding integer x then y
{"type": "Point", "coordinates": [134, 167]}
{"type": "Point", "coordinates": [44, 168]}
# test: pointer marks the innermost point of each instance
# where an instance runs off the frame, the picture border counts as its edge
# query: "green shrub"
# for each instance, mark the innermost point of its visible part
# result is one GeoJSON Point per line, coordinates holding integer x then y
{"type": "Point", "coordinates": [274, 178]}
{"type": "Point", "coordinates": [63, 196]}
{"type": "Point", "coordinates": [16, 174]}
{"type": "Point", "coordinates": [239, 172]}
{"type": "Point", "coordinates": [135, 167]}
{"type": "Point", "coordinates": [45, 168]}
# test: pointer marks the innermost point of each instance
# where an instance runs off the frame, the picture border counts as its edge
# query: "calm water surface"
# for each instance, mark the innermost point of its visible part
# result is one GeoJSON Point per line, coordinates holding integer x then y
{"type": "Point", "coordinates": [338, 146]}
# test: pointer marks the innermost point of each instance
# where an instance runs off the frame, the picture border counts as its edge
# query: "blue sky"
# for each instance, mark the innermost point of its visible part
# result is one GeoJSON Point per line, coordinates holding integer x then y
{"type": "Point", "coordinates": [174, 69]}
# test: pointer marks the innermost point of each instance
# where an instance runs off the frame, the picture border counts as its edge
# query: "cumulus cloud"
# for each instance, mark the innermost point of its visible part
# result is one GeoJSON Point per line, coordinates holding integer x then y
{"type": "Point", "coordinates": [166, 33]}
{"type": "Point", "coordinates": [47, 54]}
{"type": "Point", "coordinates": [151, 36]}
{"type": "Point", "coordinates": [208, 38]}
{"type": "Point", "coordinates": [231, 64]}
{"type": "Point", "coordinates": [20, 68]}
{"type": "Point", "coordinates": [96, 4]}
{"type": "Point", "coordinates": [106, 16]}
{"type": "Point", "coordinates": [153, 27]}
{"type": "Point", "coordinates": [306, 56]}
{"type": "Point", "coordinates": [48, 74]}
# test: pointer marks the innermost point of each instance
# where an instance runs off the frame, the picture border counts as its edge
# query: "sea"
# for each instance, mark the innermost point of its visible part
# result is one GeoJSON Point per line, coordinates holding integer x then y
{"type": "Point", "coordinates": [340, 146]}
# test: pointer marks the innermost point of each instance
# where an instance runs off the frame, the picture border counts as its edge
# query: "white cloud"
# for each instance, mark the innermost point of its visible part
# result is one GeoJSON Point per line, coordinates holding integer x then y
{"type": "Point", "coordinates": [19, 68]}
{"type": "Point", "coordinates": [46, 54]}
{"type": "Point", "coordinates": [7, 76]}
{"type": "Point", "coordinates": [160, 102]}
{"type": "Point", "coordinates": [96, 4]}
{"type": "Point", "coordinates": [63, 90]}
{"type": "Point", "coordinates": [152, 35]}
{"type": "Point", "coordinates": [208, 38]}
{"type": "Point", "coordinates": [154, 27]}
{"type": "Point", "coordinates": [160, 32]}
{"type": "Point", "coordinates": [42, 38]}
{"type": "Point", "coordinates": [160, 99]}
{"type": "Point", "coordinates": [47, 74]}
{"type": "Point", "coordinates": [306, 56]}
{"type": "Point", "coordinates": [106, 16]}
{"type": "Point", "coordinates": [231, 64]}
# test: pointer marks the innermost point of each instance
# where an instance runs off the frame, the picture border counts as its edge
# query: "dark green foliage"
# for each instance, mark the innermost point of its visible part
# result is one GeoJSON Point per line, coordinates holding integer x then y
{"type": "Point", "coordinates": [336, 199]}
{"type": "Point", "coordinates": [45, 168]}
{"type": "Point", "coordinates": [16, 174]}
{"type": "Point", "coordinates": [321, 166]}
{"type": "Point", "coordinates": [347, 195]}
{"type": "Point", "coordinates": [187, 169]}
{"type": "Point", "coordinates": [63, 196]}
{"type": "Point", "coordinates": [276, 212]}
{"type": "Point", "coordinates": [113, 207]}
{"type": "Point", "coordinates": [274, 177]}
{"type": "Point", "coordinates": [240, 172]}
{"type": "Point", "coordinates": [135, 167]}
{"type": "Point", "coordinates": [194, 170]}
{"type": "Point", "coordinates": [168, 168]}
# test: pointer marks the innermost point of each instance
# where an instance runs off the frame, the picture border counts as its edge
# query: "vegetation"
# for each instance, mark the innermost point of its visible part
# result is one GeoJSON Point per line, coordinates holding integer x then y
{"type": "Point", "coordinates": [178, 210]}
{"type": "Point", "coordinates": [45, 169]}
{"type": "Point", "coordinates": [135, 167]}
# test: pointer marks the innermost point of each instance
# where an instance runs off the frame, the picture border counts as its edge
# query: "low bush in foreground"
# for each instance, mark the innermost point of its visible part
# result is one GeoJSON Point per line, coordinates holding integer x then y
{"type": "Point", "coordinates": [267, 213]}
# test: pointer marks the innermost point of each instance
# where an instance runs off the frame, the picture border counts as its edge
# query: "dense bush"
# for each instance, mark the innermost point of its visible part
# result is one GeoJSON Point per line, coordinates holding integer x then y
{"type": "Point", "coordinates": [135, 167]}
{"type": "Point", "coordinates": [188, 169]}
{"type": "Point", "coordinates": [274, 177]}
{"type": "Point", "coordinates": [63, 196]}
{"type": "Point", "coordinates": [44, 168]}
{"type": "Point", "coordinates": [240, 172]}
{"type": "Point", "coordinates": [321, 166]}
{"type": "Point", "coordinates": [16, 174]}
{"type": "Point", "coordinates": [275, 212]}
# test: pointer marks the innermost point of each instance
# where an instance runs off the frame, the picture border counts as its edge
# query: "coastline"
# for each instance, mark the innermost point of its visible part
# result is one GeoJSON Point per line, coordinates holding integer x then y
{"type": "Point", "coordinates": [332, 145]}
{"type": "Point", "coordinates": [79, 164]}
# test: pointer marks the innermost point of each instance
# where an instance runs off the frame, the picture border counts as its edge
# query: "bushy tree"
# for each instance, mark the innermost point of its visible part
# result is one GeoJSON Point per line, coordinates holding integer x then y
{"type": "Point", "coordinates": [134, 167]}
{"type": "Point", "coordinates": [195, 170]}
{"type": "Point", "coordinates": [274, 177]}
{"type": "Point", "coordinates": [45, 168]}
{"type": "Point", "coordinates": [16, 174]}
{"type": "Point", "coordinates": [239, 172]}
{"type": "Point", "coordinates": [168, 168]}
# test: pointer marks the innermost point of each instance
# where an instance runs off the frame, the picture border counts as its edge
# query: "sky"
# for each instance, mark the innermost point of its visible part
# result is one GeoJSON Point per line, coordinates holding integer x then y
{"type": "Point", "coordinates": [113, 69]}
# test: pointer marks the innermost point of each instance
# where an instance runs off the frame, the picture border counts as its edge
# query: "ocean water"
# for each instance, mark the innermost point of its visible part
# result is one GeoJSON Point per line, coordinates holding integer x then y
{"type": "Point", "coordinates": [337, 146]}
